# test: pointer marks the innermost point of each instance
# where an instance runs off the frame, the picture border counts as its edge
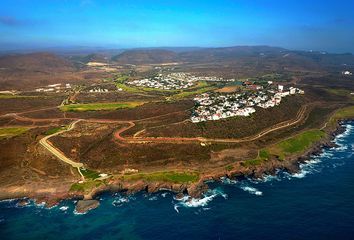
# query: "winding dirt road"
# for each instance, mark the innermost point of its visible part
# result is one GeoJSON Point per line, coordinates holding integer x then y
{"type": "Point", "coordinates": [301, 115]}
{"type": "Point", "coordinates": [61, 156]}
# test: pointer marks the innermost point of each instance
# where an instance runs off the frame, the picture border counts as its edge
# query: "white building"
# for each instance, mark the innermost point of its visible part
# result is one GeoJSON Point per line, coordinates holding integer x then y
{"type": "Point", "coordinates": [347, 73]}
{"type": "Point", "coordinates": [280, 88]}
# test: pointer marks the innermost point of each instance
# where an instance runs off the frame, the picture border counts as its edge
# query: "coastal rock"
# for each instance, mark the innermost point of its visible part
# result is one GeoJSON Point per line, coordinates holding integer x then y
{"type": "Point", "coordinates": [196, 190]}
{"type": "Point", "coordinates": [179, 196]}
{"type": "Point", "coordinates": [23, 202]}
{"type": "Point", "coordinates": [84, 206]}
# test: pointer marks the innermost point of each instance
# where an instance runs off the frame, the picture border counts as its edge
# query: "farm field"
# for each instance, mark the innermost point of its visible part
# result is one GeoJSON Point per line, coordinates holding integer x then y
{"type": "Point", "coordinates": [99, 106]}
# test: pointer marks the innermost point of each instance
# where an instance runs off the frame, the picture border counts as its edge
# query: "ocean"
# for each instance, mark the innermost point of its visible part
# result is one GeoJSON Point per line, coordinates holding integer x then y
{"type": "Point", "coordinates": [316, 203]}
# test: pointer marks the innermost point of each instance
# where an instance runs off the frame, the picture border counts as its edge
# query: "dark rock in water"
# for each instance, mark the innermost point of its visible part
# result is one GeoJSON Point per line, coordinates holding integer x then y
{"type": "Point", "coordinates": [179, 196]}
{"type": "Point", "coordinates": [84, 206]}
{"type": "Point", "coordinates": [23, 202]}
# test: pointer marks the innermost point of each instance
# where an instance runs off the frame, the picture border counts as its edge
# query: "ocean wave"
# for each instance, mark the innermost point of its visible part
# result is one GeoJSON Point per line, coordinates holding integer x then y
{"type": "Point", "coordinates": [266, 178]}
{"type": "Point", "coordinates": [348, 130]}
{"type": "Point", "coordinates": [324, 154]}
{"type": "Point", "coordinates": [176, 208]}
{"type": "Point", "coordinates": [11, 200]}
{"type": "Point", "coordinates": [308, 167]}
{"type": "Point", "coordinates": [300, 174]}
{"type": "Point", "coordinates": [79, 213]}
{"type": "Point", "coordinates": [120, 200]}
{"type": "Point", "coordinates": [270, 178]}
{"type": "Point", "coordinates": [341, 148]}
{"type": "Point", "coordinates": [64, 208]}
{"type": "Point", "coordinates": [228, 181]}
{"type": "Point", "coordinates": [188, 201]}
{"type": "Point", "coordinates": [339, 164]}
{"type": "Point", "coordinates": [164, 194]}
{"type": "Point", "coordinates": [152, 198]}
{"type": "Point", "coordinates": [251, 190]}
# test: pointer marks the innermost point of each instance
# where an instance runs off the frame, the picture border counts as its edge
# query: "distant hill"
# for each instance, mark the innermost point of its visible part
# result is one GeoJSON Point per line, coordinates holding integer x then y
{"type": "Point", "coordinates": [45, 62]}
{"type": "Point", "coordinates": [146, 56]}
{"type": "Point", "coordinates": [229, 53]}
{"type": "Point", "coordinates": [327, 59]}
{"type": "Point", "coordinates": [28, 71]}
{"type": "Point", "coordinates": [240, 58]}
{"type": "Point", "coordinates": [95, 57]}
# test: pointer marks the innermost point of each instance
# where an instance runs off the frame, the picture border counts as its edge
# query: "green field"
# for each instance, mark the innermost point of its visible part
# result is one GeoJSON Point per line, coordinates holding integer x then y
{"type": "Point", "coordinates": [89, 174]}
{"type": "Point", "coordinates": [128, 88]}
{"type": "Point", "coordinates": [11, 132]}
{"type": "Point", "coordinates": [297, 144]}
{"type": "Point", "coordinates": [263, 155]}
{"type": "Point", "coordinates": [344, 113]}
{"type": "Point", "coordinates": [294, 145]}
{"type": "Point", "coordinates": [173, 177]}
{"type": "Point", "coordinates": [99, 106]}
{"type": "Point", "coordinates": [85, 186]}
{"type": "Point", "coordinates": [119, 81]}
{"type": "Point", "coordinates": [201, 87]}
{"type": "Point", "coordinates": [10, 96]}
{"type": "Point", "coordinates": [341, 92]}
{"type": "Point", "coordinates": [54, 130]}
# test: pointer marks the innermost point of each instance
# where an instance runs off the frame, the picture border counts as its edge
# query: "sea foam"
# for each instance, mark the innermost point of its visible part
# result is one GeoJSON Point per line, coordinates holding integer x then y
{"type": "Point", "coordinates": [251, 190]}
{"type": "Point", "coordinates": [188, 201]}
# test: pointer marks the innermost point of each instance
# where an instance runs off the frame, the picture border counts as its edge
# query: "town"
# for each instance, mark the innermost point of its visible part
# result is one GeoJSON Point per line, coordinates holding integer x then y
{"type": "Point", "coordinates": [174, 81]}
{"type": "Point", "coordinates": [58, 87]}
{"type": "Point", "coordinates": [216, 106]}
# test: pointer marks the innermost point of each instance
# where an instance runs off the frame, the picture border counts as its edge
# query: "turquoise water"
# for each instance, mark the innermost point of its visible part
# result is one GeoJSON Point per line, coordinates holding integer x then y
{"type": "Point", "coordinates": [316, 203]}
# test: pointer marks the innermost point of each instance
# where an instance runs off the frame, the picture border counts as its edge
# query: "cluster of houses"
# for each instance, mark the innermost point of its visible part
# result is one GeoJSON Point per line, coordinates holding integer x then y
{"type": "Point", "coordinates": [214, 106]}
{"type": "Point", "coordinates": [173, 81]}
{"type": "Point", "coordinates": [58, 87]}
{"type": "Point", "coordinates": [98, 90]}
{"type": "Point", "coordinates": [163, 82]}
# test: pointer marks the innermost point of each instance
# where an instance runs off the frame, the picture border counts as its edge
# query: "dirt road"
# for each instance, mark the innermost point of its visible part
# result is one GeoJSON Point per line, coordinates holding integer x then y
{"type": "Point", "coordinates": [300, 116]}
{"type": "Point", "coordinates": [46, 144]}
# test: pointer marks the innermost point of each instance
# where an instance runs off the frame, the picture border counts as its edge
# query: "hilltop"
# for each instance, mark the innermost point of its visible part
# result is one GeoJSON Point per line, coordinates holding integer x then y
{"type": "Point", "coordinates": [42, 61]}
{"type": "Point", "coordinates": [145, 56]}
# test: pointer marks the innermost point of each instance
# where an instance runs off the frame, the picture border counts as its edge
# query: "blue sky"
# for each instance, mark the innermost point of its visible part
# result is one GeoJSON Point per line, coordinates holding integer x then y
{"type": "Point", "coordinates": [295, 24]}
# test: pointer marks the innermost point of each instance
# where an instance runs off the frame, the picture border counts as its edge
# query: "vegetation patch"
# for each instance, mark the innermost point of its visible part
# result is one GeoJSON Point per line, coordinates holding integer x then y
{"type": "Point", "coordinates": [174, 177]}
{"type": "Point", "coordinates": [10, 96]}
{"type": "Point", "coordinates": [341, 92]}
{"type": "Point", "coordinates": [85, 186]}
{"type": "Point", "coordinates": [120, 80]}
{"type": "Point", "coordinates": [99, 106]}
{"type": "Point", "coordinates": [201, 87]}
{"type": "Point", "coordinates": [229, 168]}
{"type": "Point", "coordinates": [89, 174]}
{"type": "Point", "coordinates": [296, 144]}
{"type": "Point", "coordinates": [263, 155]}
{"type": "Point", "coordinates": [293, 145]}
{"type": "Point", "coordinates": [55, 130]}
{"type": "Point", "coordinates": [11, 132]}
{"type": "Point", "coordinates": [344, 113]}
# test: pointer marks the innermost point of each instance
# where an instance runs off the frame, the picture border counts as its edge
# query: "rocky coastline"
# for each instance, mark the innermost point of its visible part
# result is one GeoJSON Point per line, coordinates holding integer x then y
{"type": "Point", "coordinates": [195, 190]}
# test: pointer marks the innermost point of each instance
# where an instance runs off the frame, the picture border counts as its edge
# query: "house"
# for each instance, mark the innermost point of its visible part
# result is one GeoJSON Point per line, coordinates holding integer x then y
{"type": "Point", "coordinates": [347, 73]}
{"type": "Point", "coordinates": [280, 88]}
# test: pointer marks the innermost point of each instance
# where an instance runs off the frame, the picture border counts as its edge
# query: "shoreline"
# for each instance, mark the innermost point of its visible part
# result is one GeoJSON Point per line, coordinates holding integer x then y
{"type": "Point", "coordinates": [194, 190]}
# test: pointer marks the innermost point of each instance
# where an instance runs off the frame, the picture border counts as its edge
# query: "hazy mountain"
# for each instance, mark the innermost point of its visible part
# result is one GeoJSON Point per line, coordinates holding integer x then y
{"type": "Point", "coordinates": [147, 56]}
{"type": "Point", "coordinates": [36, 62]}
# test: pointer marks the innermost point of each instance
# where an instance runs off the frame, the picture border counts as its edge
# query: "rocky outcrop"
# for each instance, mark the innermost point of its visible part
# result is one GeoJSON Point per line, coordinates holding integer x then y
{"type": "Point", "coordinates": [84, 206]}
